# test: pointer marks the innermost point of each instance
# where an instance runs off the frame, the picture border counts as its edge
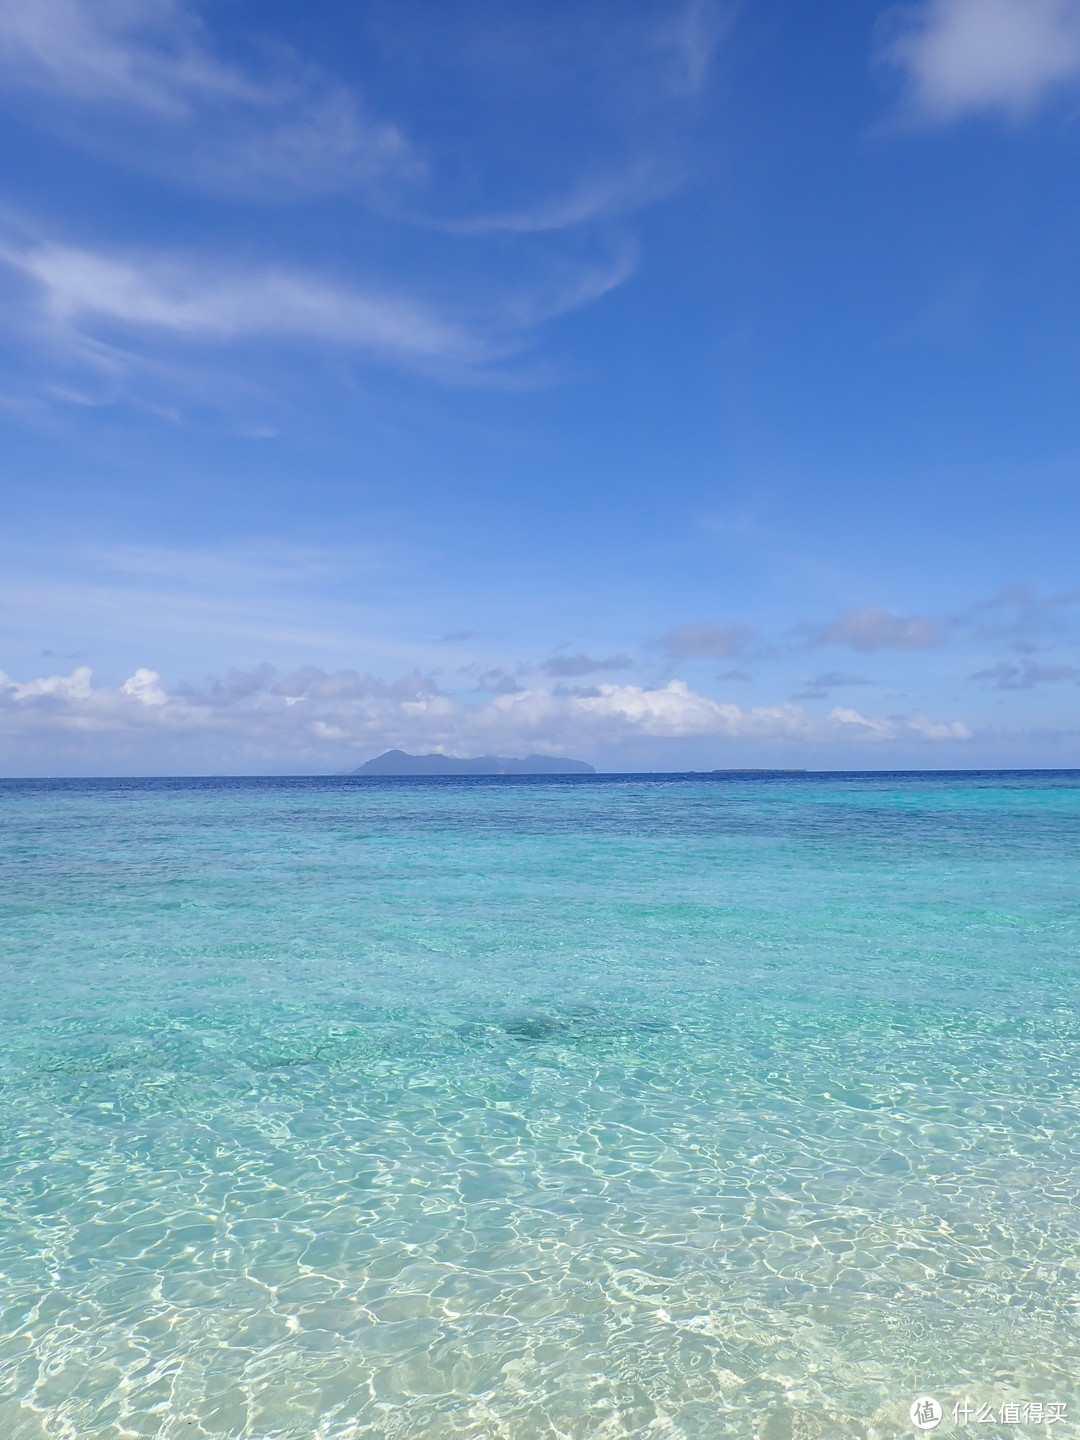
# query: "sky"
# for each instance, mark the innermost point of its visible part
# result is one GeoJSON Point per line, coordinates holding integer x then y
{"type": "Point", "coordinates": [674, 385]}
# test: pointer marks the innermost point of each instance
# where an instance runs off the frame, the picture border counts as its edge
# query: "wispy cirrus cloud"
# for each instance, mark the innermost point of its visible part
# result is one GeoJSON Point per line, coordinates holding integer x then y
{"type": "Point", "coordinates": [694, 34]}
{"type": "Point", "coordinates": [961, 56]}
{"type": "Point", "coordinates": [288, 132]}
{"type": "Point", "coordinates": [521, 222]}
{"type": "Point", "coordinates": [126, 311]}
{"type": "Point", "coordinates": [608, 91]}
{"type": "Point", "coordinates": [148, 54]}
{"type": "Point", "coordinates": [270, 124]}
{"type": "Point", "coordinates": [606, 194]}
{"type": "Point", "coordinates": [82, 289]}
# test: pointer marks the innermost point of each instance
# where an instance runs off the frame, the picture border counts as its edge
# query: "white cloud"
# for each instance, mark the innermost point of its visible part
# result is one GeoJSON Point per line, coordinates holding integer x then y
{"type": "Point", "coordinates": [1010, 675]}
{"type": "Point", "coordinates": [313, 711]}
{"type": "Point", "coordinates": [874, 628]}
{"type": "Point", "coordinates": [74, 687]}
{"type": "Point", "coordinates": [969, 55]}
{"type": "Point", "coordinates": [874, 728]}
{"type": "Point", "coordinates": [571, 666]}
{"type": "Point", "coordinates": [146, 687]}
{"type": "Point", "coordinates": [707, 639]}
{"type": "Point", "coordinates": [819, 685]}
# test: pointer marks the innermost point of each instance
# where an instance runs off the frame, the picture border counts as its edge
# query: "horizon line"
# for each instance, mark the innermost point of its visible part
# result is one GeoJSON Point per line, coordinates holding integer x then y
{"type": "Point", "coordinates": [759, 771]}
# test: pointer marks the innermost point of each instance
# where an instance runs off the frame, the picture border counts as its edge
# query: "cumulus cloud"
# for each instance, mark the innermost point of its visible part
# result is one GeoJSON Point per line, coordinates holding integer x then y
{"type": "Point", "coordinates": [889, 729]}
{"type": "Point", "coordinates": [496, 679]}
{"type": "Point", "coordinates": [74, 687]}
{"type": "Point", "coordinates": [145, 686]}
{"type": "Point", "coordinates": [968, 55]}
{"type": "Point", "coordinates": [1010, 675]}
{"type": "Point", "coordinates": [874, 628]}
{"type": "Point", "coordinates": [333, 713]}
{"type": "Point", "coordinates": [707, 639]}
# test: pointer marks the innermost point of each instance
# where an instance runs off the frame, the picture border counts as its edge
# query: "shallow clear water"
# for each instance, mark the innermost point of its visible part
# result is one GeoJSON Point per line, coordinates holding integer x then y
{"type": "Point", "coordinates": [528, 1108]}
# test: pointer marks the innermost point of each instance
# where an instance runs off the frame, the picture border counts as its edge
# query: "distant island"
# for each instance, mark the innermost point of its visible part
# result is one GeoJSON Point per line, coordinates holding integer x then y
{"type": "Point", "coordinates": [396, 762]}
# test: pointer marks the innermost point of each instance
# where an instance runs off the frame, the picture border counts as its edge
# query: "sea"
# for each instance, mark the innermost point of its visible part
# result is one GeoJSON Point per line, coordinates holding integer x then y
{"type": "Point", "coordinates": [674, 1107]}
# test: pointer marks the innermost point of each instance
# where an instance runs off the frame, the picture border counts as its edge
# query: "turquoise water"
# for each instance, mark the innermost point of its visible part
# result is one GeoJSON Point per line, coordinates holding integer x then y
{"type": "Point", "coordinates": [530, 1109]}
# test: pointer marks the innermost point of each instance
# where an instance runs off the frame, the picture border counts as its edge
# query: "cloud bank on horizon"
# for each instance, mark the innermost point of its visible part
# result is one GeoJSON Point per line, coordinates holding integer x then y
{"type": "Point", "coordinates": [644, 379]}
{"type": "Point", "coordinates": [314, 716]}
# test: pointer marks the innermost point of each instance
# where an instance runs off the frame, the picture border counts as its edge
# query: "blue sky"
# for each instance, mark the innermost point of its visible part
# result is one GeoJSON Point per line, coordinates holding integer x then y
{"type": "Point", "coordinates": [669, 385]}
